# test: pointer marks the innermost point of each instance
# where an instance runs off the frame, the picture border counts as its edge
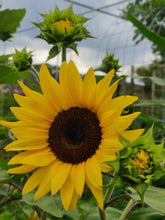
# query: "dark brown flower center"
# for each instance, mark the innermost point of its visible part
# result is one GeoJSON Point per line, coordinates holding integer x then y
{"type": "Point", "coordinates": [75, 135]}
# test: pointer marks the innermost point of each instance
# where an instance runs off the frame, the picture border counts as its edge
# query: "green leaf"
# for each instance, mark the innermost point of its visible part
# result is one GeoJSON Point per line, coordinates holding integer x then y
{"type": "Point", "coordinates": [151, 102]}
{"type": "Point", "coordinates": [46, 203]}
{"type": "Point", "coordinates": [123, 140]}
{"type": "Point", "coordinates": [154, 197]}
{"type": "Point", "coordinates": [10, 21]}
{"type": "Point", "coordinates": [146, 214]}
{"type": "Point", "coordinates": [7, 75]}
{"type": "Point", "coordinates": [152, 36]}
{"type": "Point", "coordinates": [141, 189]}
{"type": "Point", "coordinates": [23, 74]}
{"type": "Point", "coordinates": [2, 191]}
{"type": "Point", "coordinates": [73, 46]}
{"type": "Point", "coordinates": [6, 215]}
{"type": "Point", "coordinates": [54, 51]}
{"type": "Point", "coordinates": [113, 213]}
{"type": "Point", "coordinates": [4, 59]}
{"type": "Point", "coordinates": [4, 176]}
{"type": "Point", "coordinates": [157, 80]}
{"type": "Point", "coordinates": [114, 163]}
{"type": "Point", "coordinates": [150, 121]}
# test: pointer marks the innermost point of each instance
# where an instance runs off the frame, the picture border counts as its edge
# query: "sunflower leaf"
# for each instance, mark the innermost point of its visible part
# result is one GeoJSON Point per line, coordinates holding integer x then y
{"type": "Point", "coordinates": [123, 140]}
{"type": "Point", "coordinates": [154, 197]}
{"type": "Point", "coordinates": [114, 163]}
{"type": "Point", "coordinates": [46, 203]}
{"type": "Point", "coordinates": [4, 176]}
{"type": "Point", "coordinates": [146, 213]}
{"type": "Point", "coordinates": [53, 52]}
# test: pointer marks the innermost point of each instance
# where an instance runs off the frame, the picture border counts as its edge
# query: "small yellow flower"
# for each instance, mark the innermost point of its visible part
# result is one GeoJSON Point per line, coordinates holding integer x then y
{"type": "Point", "coordinates": [63, 25]}
{"type": "Point", "coordinates": [67, 133]}
{"type": "Point", "coordinates": [141, 161]}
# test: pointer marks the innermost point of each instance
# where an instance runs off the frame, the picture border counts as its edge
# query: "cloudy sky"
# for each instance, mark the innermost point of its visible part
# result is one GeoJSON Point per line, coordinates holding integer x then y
{"type": "Point", "coordinates": [112, 33]}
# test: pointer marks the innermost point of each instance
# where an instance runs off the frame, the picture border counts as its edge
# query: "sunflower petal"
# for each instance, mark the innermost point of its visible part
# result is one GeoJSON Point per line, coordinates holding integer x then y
{"type": "Point", "coordinates": [41, 106]}
{"type": "Point", "coordinates": [102, 89]}
{"type": "Point", "coordinates": [110, 146]}
{"type": "Point", "coordinates": [89, 89]}
{"type": "Point", "coordinates": [132, 135]}
{"type": "Point", "coordinates": [52, 89]}
{"type": "Point", "coordinates": [34, 157]}
{"type": "Point", "coordinates": [71, 82]}
{"type": "Point", "coordinates": [21, 169]}
{"type": "Point", "coordinates": [60, 173]}
{"type": "Point", "coordinates": [45, 185]}
{"type": "Point", "coordinates": [93, 172]}
{"type": "Point", "coordinates": [35, 179]}
{"type": "Point", "coordinates": [19, 145]}
{"type": "Point", "coordinates": [119, 125]}
{"type": "Point", "coordinates": [114, 108]}
{"type": "Point", "coordinates": [104, 83]}
{"type": "Point", "coordinates": [9, 124]}
{"type": "Point", "coordinates": [31, 117]}
{"type": "Point", "coordinates": [37, 99]}
{"type": "Point", "coordinates": [30, 132]}
{"type": "Point", "coordinates": [74, 201]}
{"type": "Point", "coordinates": [103, 157]}
{"type": "Point", "coordinates": [78, 177]}
{"type": "Point", "coordinates": [96, 192]}
{"type": "Point", "coordinates": [66, 193]}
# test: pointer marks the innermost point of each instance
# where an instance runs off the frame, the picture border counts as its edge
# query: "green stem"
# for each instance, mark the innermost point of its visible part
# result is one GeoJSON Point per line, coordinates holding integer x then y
{"type": "Point", "coordinates": [63, 53]}
{"type": "Point", "coordinates": [102, 214]}
{"type": "Point", "coordinates": [35, 73]}
{"type": "Point", "coordinates": [124, 214]}
{"type": "Point", "coordinates": [106, 199]}
{"type": "Point", "coordinates": [108, 193]}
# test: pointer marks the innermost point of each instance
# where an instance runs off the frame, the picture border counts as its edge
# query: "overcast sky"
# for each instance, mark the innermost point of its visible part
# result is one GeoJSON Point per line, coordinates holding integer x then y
{"type": "Point", "coordinates": [112, 34]}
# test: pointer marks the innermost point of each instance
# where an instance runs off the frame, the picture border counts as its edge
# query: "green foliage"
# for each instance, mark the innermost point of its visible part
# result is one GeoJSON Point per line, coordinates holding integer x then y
{"type": "Point", "coordinates": [52, 34]}
{"type": "Point", "coordinates": [48, 204]}
{"type": "Point", "coordinates": [154, 197]}
{"type": "Point", "coordinates": [8, 75]}
{"type": "Point", "coordinates": [109, 63]}
{"type": "Point", "coordinates": [4, 59]}
{"type": "Point", "coordinates": [150, 14]}
{"type": "Point", "coordinates": [146, 214]}
{"type": "Point", "coordinates": [155, 38]}
{"type": "Point", "coordinates": [10, 21]}
{"type": "Point", "coordinates": [22, 60]}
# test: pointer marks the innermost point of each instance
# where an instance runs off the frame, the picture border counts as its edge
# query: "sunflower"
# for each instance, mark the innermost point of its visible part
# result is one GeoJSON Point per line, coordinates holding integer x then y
{"type": "Point", "coordinates": [62, 29]}
{"type": "Point", "coordinates": [66, 133]}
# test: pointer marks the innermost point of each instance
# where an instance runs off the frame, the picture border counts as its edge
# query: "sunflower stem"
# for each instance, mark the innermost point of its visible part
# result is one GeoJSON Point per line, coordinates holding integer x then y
{"type": "Point", "coordinates": [35, 73]}
{"type": "Point", "coordinates": [126, 210]}
{"type": "Point", "coordinates": [63, 54]}
{"type": "Point", "coordinates": [109, 192]}
{"type": "Point", "coordinates": [102, 214]}
{"type": "Point", "coordinates": [106, 199]}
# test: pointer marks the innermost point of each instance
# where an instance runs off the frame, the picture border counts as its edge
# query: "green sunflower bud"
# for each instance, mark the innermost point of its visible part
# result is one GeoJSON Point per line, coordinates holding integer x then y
{"type": "Point", "coordinates": [22, 60]}
{"type": "Point", "coordinates": [141, 160]}
{"type": "Point", "coordinates": [109, 63]}
{"type": "Point", "coordinates": [62, 29]}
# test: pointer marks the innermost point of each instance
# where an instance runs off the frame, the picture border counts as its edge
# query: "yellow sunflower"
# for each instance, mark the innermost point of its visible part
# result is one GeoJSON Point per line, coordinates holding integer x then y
{"type": "Point", "coordinates": [67, 133]}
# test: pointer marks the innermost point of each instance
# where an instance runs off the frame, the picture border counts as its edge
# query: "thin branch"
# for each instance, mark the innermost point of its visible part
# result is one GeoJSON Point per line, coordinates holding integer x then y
{"type": "Point", "coordinates": [16, 186]}
{"type": "Point", "coordinates": [115, 199]}
{"type": "Point", "coordinates": [132, 207]}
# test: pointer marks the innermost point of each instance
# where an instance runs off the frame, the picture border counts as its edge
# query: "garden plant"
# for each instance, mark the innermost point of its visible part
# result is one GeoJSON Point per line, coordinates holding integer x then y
{"type": "Point", "coordinates": [73, 148]}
